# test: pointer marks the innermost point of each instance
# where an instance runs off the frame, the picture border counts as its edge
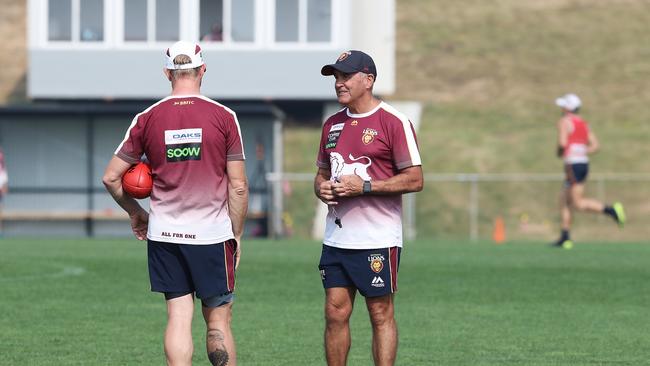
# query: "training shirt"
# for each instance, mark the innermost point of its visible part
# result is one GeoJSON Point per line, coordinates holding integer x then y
{"type": "Point", "coordinates": [187, 140]}
{"type": "Point", "coordinates": [578, 140]}
{"type": "Point", "coordinates": [375, 146]}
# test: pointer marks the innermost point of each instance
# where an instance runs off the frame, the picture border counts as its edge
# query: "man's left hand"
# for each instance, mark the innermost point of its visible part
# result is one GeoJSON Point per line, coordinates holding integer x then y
{"type": "Point", "coordinates": [348, 186]}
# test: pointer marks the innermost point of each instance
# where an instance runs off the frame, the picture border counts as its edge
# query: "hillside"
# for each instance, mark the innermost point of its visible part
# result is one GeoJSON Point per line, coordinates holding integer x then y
{"type": "Point", "coordinates": [13, 51]}
{"type": "Point", "coordinates": [490, 70]}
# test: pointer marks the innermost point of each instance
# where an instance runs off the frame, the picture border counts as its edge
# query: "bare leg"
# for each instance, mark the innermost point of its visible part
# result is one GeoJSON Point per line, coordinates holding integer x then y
{"type": "Point", "coordinates": [178, 335]}
{"type": "Point", "coordinates": [384, 329]}
{"type": "Point", "coordinates": [339, 302]}
{"type": "Point", "coordinates": [219, 341]}
{"type": "Point", "coordinates": [565, 208]}
{"type": "Point", "coordinates": [584, 204]}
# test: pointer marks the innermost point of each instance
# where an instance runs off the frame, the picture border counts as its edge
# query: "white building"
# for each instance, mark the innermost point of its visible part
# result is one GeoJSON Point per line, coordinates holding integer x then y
{"type": "Point", "coordinates": [254, 49]}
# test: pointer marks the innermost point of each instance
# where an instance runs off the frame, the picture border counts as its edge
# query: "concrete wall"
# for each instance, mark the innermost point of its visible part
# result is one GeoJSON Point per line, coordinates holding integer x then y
{"type": "Point", "coordinates": [264, 70]}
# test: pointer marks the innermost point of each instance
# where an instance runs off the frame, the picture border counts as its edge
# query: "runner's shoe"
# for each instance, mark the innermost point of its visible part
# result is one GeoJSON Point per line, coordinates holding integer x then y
{"type": "Point", "coordinates": [620, 214]}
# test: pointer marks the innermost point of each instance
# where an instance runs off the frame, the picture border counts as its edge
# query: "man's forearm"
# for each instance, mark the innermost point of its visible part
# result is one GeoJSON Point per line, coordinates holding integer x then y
{"type": "Point", "coordinates": [237, 208]}
{"type": "Point", "coordinates": [406, 181]}
{"type": "Point", "coordinates": [128, 203]}
{"type": "Point", "coordinates": [398, 184]}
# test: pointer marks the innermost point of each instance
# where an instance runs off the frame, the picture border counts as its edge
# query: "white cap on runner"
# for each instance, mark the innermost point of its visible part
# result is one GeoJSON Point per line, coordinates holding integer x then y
{"type": "Point", "coordinates": [569, 101]}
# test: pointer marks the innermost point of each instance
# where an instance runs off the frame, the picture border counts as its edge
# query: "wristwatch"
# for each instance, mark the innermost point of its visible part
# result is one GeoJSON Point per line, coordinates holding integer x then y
{"type": "Point", "coordinates": [366, 187]}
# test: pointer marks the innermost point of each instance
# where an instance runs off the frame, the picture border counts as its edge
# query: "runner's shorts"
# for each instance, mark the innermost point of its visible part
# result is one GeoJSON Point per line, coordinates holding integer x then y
{"type": "Point", "coordinates": [576, 173]}
{"type": "Point", "coordinates": [372, 271]}
{"type": "Point", "coordinates": [207, 270]}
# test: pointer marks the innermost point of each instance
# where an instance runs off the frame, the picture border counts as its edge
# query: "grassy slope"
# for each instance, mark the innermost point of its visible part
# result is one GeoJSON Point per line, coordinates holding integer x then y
{"type": "Point", "coordinates": [88, 303]}
{"type": "Point", "coordinates": [488, 72]}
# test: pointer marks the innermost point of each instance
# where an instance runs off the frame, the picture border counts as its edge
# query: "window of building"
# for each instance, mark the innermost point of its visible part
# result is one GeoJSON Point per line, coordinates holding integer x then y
{"type": "Point", "coordinates": [167, 20]}
{"type": "Point", "coordinates": [287, 27]}
{"type": "Point", "coordinates": [303, 21]}
{"type": "Point", "coordinates": [135, 20]}
{"type": "Point", "coordinates": [227, 20]}
{"type": "Point", "coordinates": [75, 20]}
{"type": "Point", "coordinates": [60, 20]}
{"type": "Point", "coordinates": [319, 20]}
{"type": "Point", "coordinates": [211, 22]}
{"type": "Point", "coordinates": [91, 20]}
{"type": "Point", "coordinates": [151, 20]}
{"type": "Point", "coordinates": [243, 21]}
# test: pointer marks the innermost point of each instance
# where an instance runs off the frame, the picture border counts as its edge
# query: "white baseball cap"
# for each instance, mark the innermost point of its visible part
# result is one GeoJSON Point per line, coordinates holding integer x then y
{"type": "Point", "coordinates": [569, 101]}
{"type": "Point", "coordinates": [190, 49]}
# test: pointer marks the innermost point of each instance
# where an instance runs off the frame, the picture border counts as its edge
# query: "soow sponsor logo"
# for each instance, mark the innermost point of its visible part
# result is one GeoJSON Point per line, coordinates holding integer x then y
{"type": "Point", "coordinates": [183, 145]}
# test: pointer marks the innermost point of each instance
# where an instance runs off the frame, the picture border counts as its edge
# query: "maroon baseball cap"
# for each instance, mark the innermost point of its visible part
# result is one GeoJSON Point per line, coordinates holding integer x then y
{"type": "Point", "coordinates": [350, 62]}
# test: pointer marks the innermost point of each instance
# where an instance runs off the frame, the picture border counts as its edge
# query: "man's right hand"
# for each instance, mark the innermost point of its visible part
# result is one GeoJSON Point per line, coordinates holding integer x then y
{"type": "Point", "coordinates": [237, 251]}
{"type": "Point", "coordinates": [326, 193]}
{"type": "Point", "coordinates": [140, 224]}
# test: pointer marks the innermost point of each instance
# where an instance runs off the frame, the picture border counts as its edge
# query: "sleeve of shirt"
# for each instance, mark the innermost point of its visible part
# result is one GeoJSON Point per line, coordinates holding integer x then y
{"type": "Point", "coordinates": [404, 145]}
{"type": "Point", "coordinates": [323, 161]}
{"type": "Point", "coordinates": [132, 147]}
{"type": "Point", "coordinates": [234, 142]}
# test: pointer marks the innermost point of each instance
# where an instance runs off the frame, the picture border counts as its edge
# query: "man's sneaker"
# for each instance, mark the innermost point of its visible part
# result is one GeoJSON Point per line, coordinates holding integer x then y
{"type": "Point", "coordinates": [620, 214]}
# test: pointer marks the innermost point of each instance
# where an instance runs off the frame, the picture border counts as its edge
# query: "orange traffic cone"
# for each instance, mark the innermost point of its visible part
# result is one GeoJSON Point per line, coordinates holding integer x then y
{"type": "Point", "coordinates": [499, 232]}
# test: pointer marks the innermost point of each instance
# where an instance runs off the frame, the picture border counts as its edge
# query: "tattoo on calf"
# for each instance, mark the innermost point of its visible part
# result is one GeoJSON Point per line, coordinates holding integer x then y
{"type": "Point", "coordinates": [217, 353]}
{"type": "Point", "coordinates": [218, 358]}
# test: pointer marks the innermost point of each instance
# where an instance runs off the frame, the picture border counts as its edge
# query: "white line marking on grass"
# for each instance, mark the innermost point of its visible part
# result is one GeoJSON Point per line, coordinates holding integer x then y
{"type": "Point", "coordinates": [66, 271]}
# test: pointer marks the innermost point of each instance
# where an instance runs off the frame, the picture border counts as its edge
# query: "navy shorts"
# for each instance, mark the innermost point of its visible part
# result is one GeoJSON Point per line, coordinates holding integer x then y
{"type": "Point", "coordinates": [207, 270]}
{"type": "Point", "coordinates": [371, 271]}
{"type": "Point", "coordinates": [576, 173]}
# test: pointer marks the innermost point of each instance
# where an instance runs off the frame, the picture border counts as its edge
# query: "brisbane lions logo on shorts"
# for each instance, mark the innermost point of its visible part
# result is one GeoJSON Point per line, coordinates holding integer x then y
{"type": "Point", "coordinates": [376, 262]}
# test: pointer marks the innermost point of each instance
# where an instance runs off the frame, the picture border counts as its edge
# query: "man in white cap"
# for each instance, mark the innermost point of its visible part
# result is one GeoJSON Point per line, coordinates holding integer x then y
{"type": "Point", "coordinates": [198, 204]}
{"type": "Point", "coordinates": [576, 141]}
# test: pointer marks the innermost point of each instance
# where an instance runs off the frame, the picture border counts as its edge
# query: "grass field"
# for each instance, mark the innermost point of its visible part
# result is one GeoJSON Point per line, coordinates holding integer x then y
{"type": "Point", "coordinates": [87, 302]}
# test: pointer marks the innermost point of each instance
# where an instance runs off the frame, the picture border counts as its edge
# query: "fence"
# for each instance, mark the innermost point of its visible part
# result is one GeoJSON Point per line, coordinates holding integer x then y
{"type": "Point", "coordinates": [466, 205]}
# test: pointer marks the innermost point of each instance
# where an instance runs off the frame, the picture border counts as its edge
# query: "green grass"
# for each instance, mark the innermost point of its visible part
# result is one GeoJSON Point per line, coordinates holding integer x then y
{"type": "Point", "coordinates": [87, 302]}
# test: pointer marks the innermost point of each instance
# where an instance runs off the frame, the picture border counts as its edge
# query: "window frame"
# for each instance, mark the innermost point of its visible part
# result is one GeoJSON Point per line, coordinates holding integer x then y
{"type": "Point", "coordinates": [189, 17]}
{"type": "Point", "coordinates": [75, 28]}
{"type": "Point", "coordinates": [303, 43]}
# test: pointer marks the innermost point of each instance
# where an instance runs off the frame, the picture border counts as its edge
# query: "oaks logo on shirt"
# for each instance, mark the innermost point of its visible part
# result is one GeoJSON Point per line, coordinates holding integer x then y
{"type": "Point", "coordinates": [376, 262]}
{"type": "Point", "coordinates": [368, 135]}
{"type": "Point", "coordinates": [183, 145]}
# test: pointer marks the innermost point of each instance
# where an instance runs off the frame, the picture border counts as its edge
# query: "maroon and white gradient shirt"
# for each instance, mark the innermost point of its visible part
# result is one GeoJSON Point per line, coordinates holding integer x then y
{"type": "Point", "coordinates": [373, 145]}
{"type": "Point", "coordinates": [187, 140]}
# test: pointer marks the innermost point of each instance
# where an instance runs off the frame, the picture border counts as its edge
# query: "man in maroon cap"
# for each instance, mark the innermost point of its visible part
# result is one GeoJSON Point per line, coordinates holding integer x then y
{"type": "Point", "coordinates": [368, 157]}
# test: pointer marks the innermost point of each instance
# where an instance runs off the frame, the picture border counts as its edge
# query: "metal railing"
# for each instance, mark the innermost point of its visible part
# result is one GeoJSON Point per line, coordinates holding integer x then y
{"type": "Point", "coordinates": [473, 180]}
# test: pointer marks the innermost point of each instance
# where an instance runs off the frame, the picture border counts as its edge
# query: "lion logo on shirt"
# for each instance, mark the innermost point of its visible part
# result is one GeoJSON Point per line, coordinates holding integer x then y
{"type": "Point", "coordinates": [339, 167]}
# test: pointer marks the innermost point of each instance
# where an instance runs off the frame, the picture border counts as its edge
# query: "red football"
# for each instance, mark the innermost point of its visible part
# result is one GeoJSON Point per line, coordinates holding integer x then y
{"type": "Point", "coordinates": [137, 181]}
